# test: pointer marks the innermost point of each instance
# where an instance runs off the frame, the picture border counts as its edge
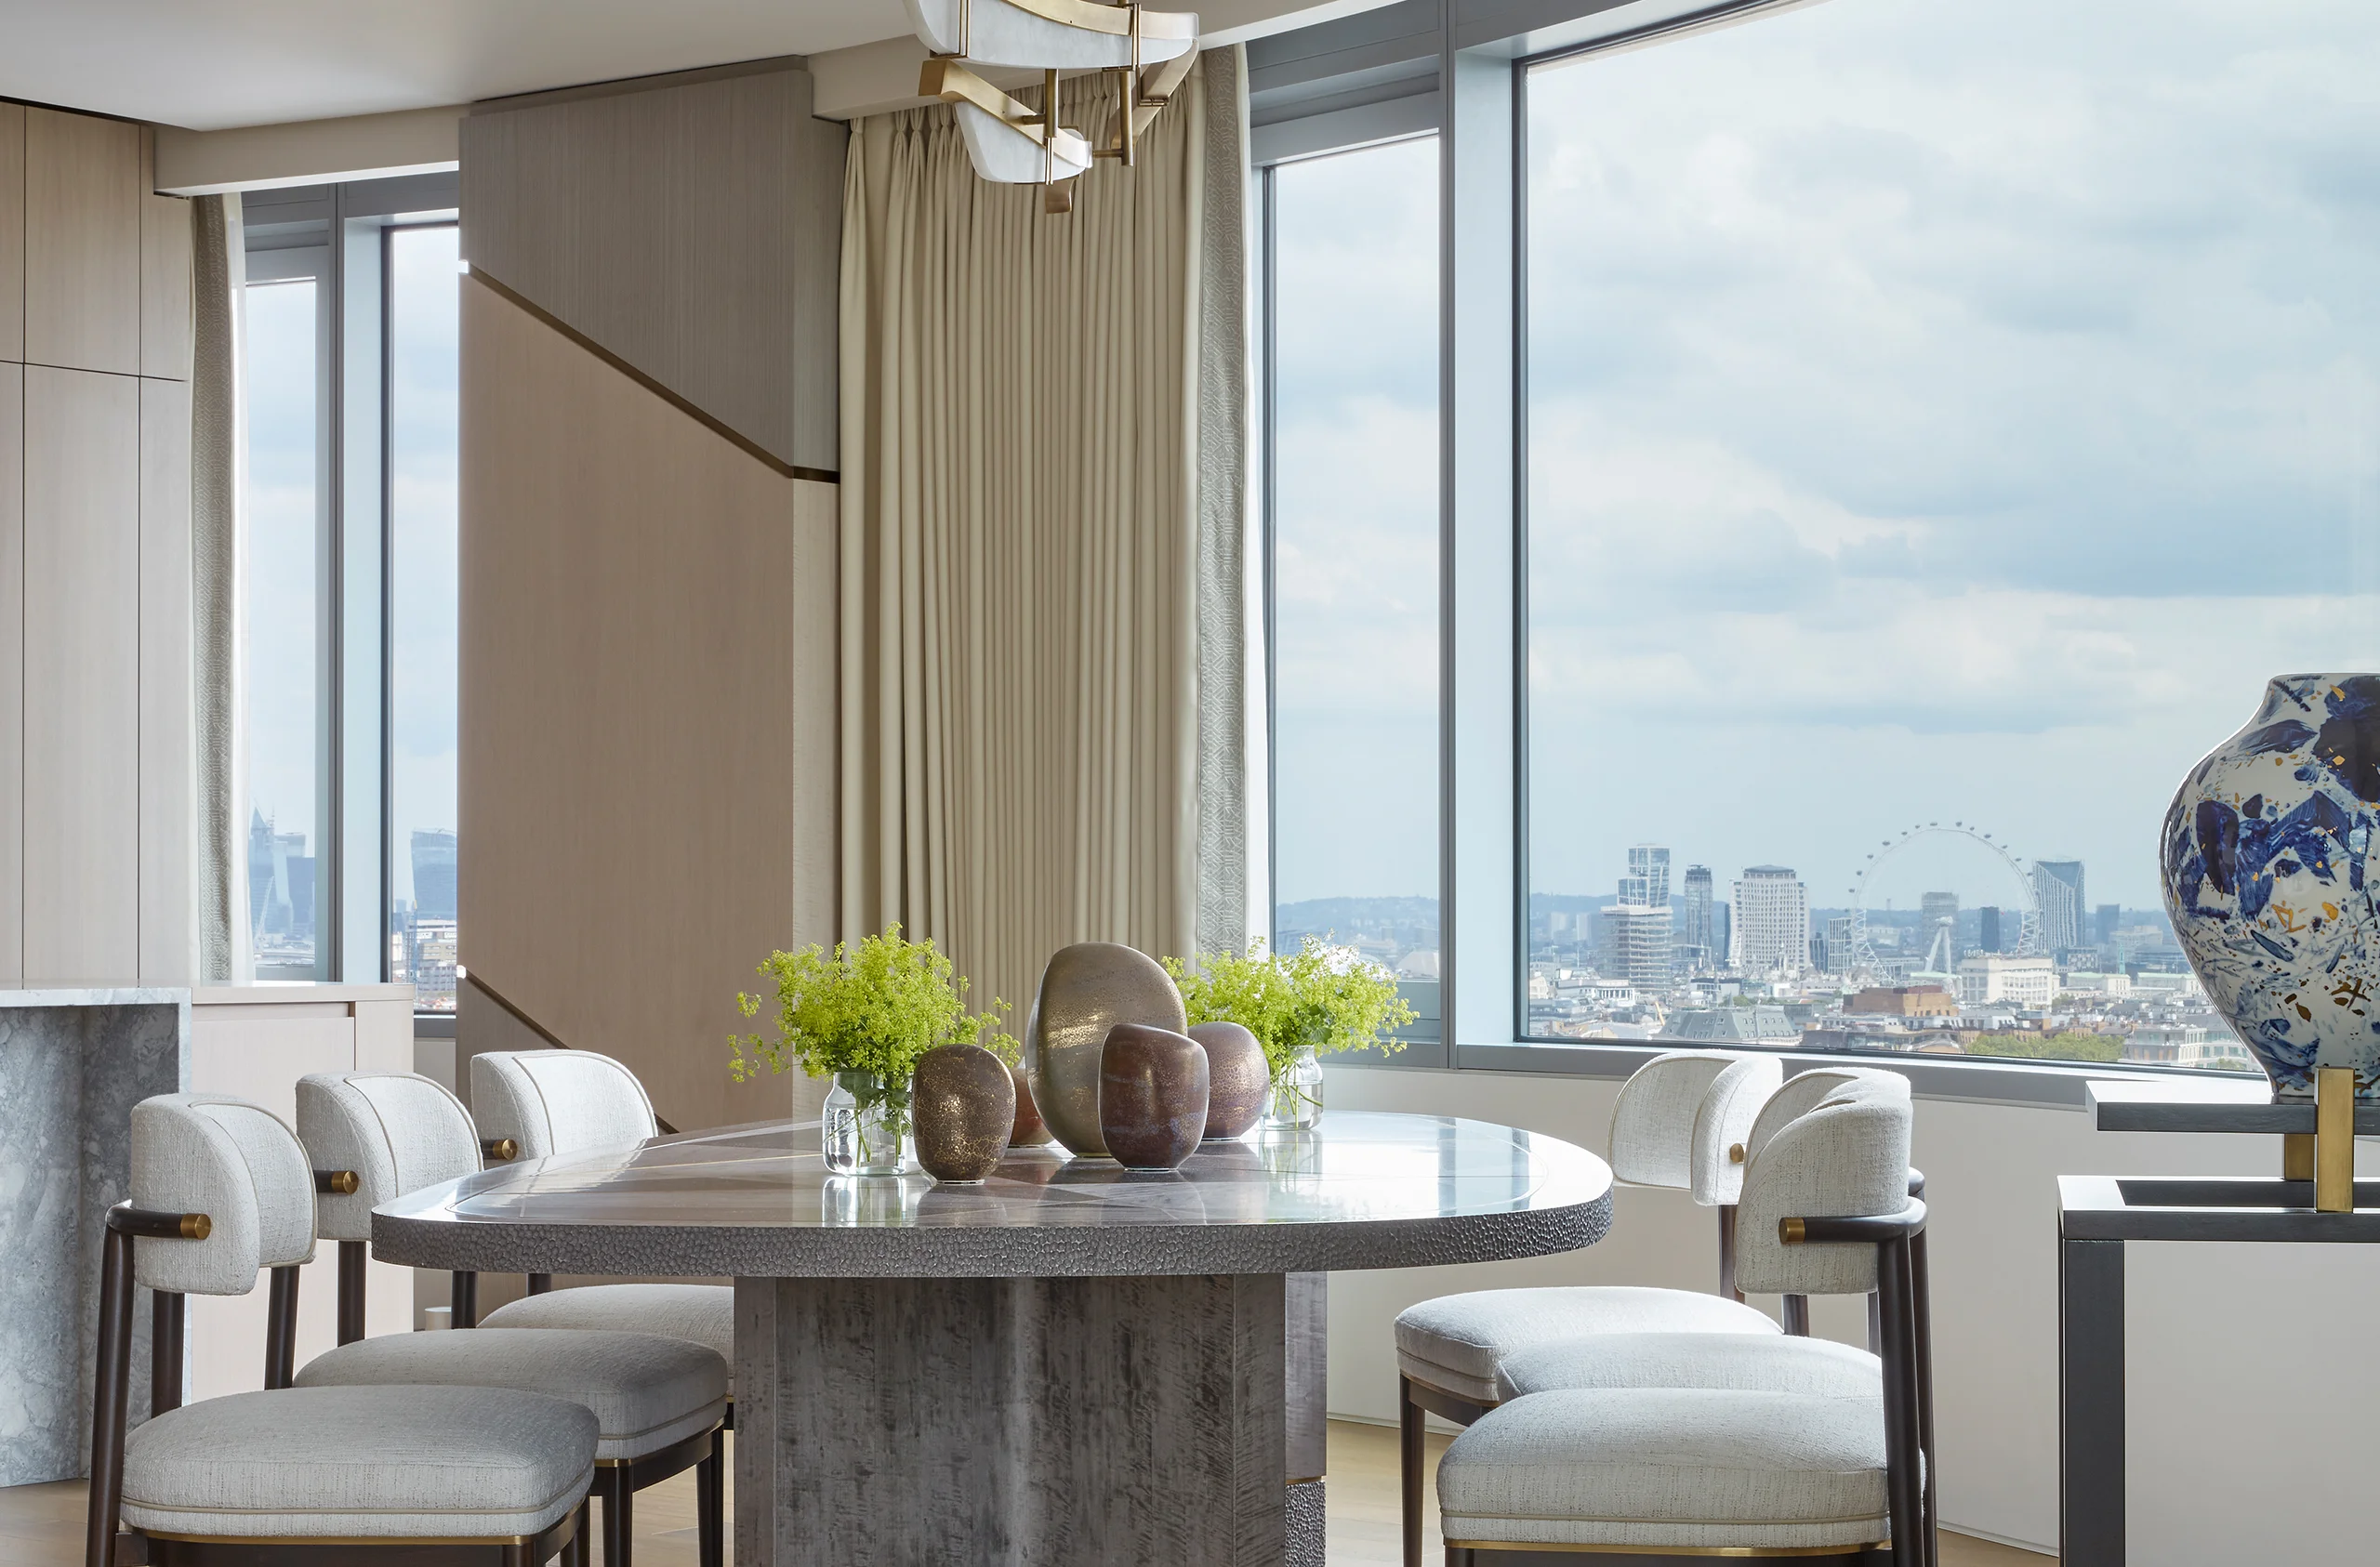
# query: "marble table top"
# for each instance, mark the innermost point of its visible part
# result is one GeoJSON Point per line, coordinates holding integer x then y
{"type": "Point", "coordinates": [1359, 1191]}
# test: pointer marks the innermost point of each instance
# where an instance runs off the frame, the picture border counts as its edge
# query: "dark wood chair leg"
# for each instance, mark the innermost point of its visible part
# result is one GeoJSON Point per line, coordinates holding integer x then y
{"type": "Point", "coordinates": [165, 1317]}
{"type": "Point", "coordinates": [1875, 1326]}
{"type": "Point", "coordinates": [1409, 1469]}
{"type": "Point", "coordinates": [1903, 1491]}
{"type": "Point", "coordinates": [541, 1284]}
{"type": "Point", "coordinates": [1727, 1253]}
{"type": "Point", "coordinates": [709, 1497]}
{"type": "Point", "coordinates": [110, 1391]}
{"type": "Point", "coordinates": [1922, 1343]}
{"type": "Point", "coordinates": [281, 1329]}
{"type": "Point", "coordinates": [619, 1514]}
{"type": "Point", "coordinates": [352, 1255]}
{"type": "Point", "coordinates": [1797, 1315]}
{"type": "Point", "coordinates": [463, 1301]}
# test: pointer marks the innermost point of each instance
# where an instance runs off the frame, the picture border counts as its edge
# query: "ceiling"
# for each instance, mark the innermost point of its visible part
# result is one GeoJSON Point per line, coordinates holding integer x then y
{"type": "Point", "coordinates": [208, 64]}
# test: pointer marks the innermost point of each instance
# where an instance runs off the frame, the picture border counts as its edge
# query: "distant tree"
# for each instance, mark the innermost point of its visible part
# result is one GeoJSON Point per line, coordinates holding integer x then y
{"type": "Point", "coordinates": [2070, 1045]}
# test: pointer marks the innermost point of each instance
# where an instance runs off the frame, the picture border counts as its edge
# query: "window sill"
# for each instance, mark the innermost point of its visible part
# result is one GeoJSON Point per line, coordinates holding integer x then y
{"type": "Point", "coordinates": [2045, 1085]}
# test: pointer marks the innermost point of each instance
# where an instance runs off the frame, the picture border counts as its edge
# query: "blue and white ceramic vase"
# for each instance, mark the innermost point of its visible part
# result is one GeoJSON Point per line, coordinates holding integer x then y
{"type": "Point", "coordinates": [2265, 873]}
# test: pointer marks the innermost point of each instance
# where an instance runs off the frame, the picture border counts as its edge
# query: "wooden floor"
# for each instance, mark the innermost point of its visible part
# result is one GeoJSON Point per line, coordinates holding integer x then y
{"type": "Point", "coordinates": [42, 1525]}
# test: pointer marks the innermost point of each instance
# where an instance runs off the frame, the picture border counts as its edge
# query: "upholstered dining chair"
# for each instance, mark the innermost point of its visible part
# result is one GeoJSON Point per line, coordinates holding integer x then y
{"type": "Point", "coordinates": [660, 1398]}
{"type": "Point", "coordinates": [294, 1477]}
{"type": "Point", "coordinates": [554, 1101]}
{"type": "Point", "coordinates": [1666, 1448]}
{"type": "Point", "coordinates": [1679, 1121]}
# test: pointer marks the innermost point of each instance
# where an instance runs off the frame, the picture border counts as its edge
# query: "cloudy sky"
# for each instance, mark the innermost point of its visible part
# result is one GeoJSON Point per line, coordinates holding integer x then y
{"type": "Point", "coordinates": [1939, 410]}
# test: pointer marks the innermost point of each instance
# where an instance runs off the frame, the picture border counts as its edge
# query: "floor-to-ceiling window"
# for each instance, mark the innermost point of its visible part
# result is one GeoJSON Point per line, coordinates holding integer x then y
{"type": "Point", "coordinates": [1942, 418]}
{"type": "Point", "coordinates": [423, 277]}
{"type": "Point", "coordinates": [1354, 529]}
{"type": "Point", "coordinates": [284, 310]}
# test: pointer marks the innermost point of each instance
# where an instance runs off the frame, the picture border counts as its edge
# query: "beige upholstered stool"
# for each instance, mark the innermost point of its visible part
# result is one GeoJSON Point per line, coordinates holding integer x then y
{"type": "Point", "coordinates": [329, 1477]}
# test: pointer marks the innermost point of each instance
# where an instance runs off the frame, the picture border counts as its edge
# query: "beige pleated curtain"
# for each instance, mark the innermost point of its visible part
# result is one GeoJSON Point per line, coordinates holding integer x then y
{"type": "Point", "coordinates": [1044, 459]}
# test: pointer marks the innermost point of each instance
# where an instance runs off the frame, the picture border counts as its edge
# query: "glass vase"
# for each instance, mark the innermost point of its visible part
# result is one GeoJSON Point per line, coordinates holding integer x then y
{"type": "Point", "coordinates": [1295, 1100]}
{"type": "Point", "coordinates": [864, 1127]}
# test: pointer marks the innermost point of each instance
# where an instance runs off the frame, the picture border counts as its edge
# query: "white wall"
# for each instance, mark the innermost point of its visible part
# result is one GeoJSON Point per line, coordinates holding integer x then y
{"type": "Point", "coordinates": [2248, 1389]}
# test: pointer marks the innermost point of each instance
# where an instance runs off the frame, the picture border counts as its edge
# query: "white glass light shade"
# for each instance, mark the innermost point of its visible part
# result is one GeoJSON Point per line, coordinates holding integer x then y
{"type": "Point", "coordinates": [1004, 156]}
{"type": "Point", "coordinates": [999, 34]}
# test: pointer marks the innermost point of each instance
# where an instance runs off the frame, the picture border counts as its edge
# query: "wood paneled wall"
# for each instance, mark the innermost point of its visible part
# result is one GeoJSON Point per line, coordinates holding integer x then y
{"type": "Point", "coordinates": [96, 785]}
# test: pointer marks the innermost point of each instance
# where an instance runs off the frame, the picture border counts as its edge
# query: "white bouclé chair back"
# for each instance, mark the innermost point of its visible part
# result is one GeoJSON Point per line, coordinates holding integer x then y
{"type": "Point", "coordinates": [398, 1131]}
{"type": "Point", "coordinates": [1805, 1091]}
{"type": "Point", "coordinates": [1653, 1124]}
{"type": "Point", "coordinates": [559, 1101]}
{"type": "Point", "coordinates": [1848, 1157]}
{"type": "Point", "coordinates": [237, 1164]}
{"type": "Point", "coordinates": [1733, 1102]}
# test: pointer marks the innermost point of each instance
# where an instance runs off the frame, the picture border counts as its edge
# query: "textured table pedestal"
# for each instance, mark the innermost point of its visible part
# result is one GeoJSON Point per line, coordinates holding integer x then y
{"type": "Point", "coordinates": [1011, 1422]}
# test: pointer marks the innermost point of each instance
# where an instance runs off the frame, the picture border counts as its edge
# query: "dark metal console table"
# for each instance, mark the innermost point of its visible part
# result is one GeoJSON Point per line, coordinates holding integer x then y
{"type": "Point", "coordinates": [2096, 1215]}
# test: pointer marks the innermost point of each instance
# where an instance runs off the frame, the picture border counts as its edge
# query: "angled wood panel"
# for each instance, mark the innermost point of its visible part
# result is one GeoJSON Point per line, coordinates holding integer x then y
{"type": "Point", "coordinates": [694, 231]}
{"type": "Point", "coordinates": [165, 273]}
{"type": "Point", "coordinates": [13, 230]}
{"type": "Point", "coordinates": [12, 673]}
{"type": "Point", "coordinates": [169, 765]}
{"type": "Point", "coordinates": [82, 676]}
{"type": "Point", "coordinates": [82, 241]}
{"type": "Point", "coordinates": [646, 768]}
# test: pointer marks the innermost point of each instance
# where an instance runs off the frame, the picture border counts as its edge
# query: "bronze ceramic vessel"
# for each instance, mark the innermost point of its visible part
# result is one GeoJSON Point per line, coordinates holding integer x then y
{"type": "Point", "coordinates": [1028, 1130]}
{"type": "Point", "coordinates": [1237, 1079]}
{"type": "Point", "coordinates": [1086, 990]}
{"type": "Point", "coordinates": [1152, 1095]}
{"type": "Point", "coordinates": [963, 1105]}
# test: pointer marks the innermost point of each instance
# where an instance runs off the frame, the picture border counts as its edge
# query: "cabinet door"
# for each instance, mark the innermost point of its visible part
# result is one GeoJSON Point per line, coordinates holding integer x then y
{"type": "Point", "coordinates": [13, 230]}
{"type": "Point", "coordinates": [82, 241]}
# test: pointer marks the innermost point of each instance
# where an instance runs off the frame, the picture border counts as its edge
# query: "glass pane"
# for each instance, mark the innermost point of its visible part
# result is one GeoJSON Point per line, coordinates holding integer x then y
{"type": "Point", "coordinates": [424, 275]}
{"type": "Point", "coordinates": [1355, 558]}
{"type": "Point", "coordinates": [284, 627]}
{"type": "Point", "coordinates": [1935, 441]}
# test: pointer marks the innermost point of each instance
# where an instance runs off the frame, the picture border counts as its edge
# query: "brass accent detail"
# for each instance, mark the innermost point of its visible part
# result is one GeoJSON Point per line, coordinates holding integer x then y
{"type": "Point", "coordinates": [502, 1150]}
{"type": "Point", "coordinates": [1732, 1552]}
{"type": "Point", "coordinates": [1736, 1153]}
{"type": "Point", "coordinates": [1119, 21]}
{"type": "Point", "coordinates": [196, 1227]}
{"type": "Point", "coordinates": [2334, 1140]}
{"type": "Point", "coordinates": [953, 83]}
{"type": "Point", "coordinates": [1792, 1231]}
{"type": "Point", "coordinates": [337, 1182]}
{"type": "Point", "coordinates": [2296, 1156]}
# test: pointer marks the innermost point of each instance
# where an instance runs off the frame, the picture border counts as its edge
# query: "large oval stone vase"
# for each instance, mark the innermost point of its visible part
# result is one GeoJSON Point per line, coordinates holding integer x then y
{"type": "Point", "coordinates": [2265, 861]}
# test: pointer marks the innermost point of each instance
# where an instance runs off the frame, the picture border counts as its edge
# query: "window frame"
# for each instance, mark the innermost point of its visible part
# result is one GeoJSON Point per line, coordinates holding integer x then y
{"type": "Point", "coordinates": [1416, 68]}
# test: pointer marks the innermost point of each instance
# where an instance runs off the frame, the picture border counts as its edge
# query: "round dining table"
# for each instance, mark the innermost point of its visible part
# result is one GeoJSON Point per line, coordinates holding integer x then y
{"type": "Point", "coordinates": [1070, 1364]}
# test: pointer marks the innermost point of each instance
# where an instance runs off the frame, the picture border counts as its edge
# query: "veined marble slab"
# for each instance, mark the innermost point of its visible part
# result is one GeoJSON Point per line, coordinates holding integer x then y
{"type": "Point", "coordinates": [74, 1061]}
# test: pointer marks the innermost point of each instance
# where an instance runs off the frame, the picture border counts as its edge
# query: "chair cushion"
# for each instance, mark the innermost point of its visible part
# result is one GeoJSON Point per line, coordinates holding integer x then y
{"type": "Point", "coordinates": [1754, 1361]}
{"type": "Point", "coordinates": [704, 1313]}
{"type": "Point", "coordinates": [360, 1463]}
{"type": "Point", "coordinates": [1670, 1469]}
{"type": "Point", "coordinates": [1457, 1341]}
{"type": "Point", "coordinates": [646, 1391]}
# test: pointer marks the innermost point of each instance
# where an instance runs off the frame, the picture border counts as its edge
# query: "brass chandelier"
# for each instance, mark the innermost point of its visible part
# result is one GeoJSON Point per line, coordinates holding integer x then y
{"type": "Point", "coordinates": [1009, 142]}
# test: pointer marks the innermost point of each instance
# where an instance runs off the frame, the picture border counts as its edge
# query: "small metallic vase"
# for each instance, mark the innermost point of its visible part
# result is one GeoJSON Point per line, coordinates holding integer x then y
{"type": "Point", "coordinates": [1152, 1095]}
{"type": "Point", "coordinates": [965, 1104]}
{"type": "Point", "coordinates": [1237, 1079]}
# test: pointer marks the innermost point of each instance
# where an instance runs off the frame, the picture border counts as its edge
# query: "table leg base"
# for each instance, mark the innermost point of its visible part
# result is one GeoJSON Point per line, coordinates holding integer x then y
{"type": "Point", "coordinates": [1304, 1545]}
{"type": "Point", "coordinates": [1013, 1422]}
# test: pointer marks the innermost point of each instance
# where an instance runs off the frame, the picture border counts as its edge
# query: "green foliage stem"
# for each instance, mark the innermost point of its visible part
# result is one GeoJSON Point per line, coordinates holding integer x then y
{"type": "Point", "coordinates": [1320, 997]}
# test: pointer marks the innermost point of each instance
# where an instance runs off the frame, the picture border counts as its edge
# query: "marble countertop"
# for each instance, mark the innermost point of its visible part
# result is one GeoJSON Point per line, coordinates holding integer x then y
{"type": "Point", "coordinates": [1359, 1190]}
{"type": "Point", "coordinates": [96, 995]}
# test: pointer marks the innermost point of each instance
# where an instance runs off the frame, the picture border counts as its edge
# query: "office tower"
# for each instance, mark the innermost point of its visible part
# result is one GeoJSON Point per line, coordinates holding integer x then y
{"type": "Point", "coordinates": [1771, 921]}
{"type": "Point", "coordinates": [2059, 885]}
{"type": "Point", "coordinates": [1636, 943]}
{"type": "Point", "coordinates": [433, 875]}
{"type": "Point", "coordinates": [1723, 926]}
{"type": "Point", "coordinates": [1648, 875]}
{"type": "Point", "coordinates": [1938, 933]}
{"type": "Point", "coordinates": [2104, 921]}
{"type": "Point", "coordinates": [1988, 936]}
{"type": "Point", "coordinates": [1698, 932]}
{"type": "Point", "coordinates": [1838, 945]}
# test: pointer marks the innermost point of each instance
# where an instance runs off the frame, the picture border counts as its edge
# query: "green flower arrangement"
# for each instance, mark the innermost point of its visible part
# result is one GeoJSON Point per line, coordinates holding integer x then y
{"type": "Point", "coordinates": [1320, 997]}
{"type": "Point", "coordinates": [874, 1008]}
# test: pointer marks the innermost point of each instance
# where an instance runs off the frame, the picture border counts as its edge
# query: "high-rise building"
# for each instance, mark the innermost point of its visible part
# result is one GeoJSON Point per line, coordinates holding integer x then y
{"type": "Point", "coordinates": [1988, 932]}
{"type": "Point", "coordinates": [1649, 877]}
{"type": "Point", "coordinates": [1636, 944]}
{"type": "Point", "coordinates": [433, 875]}
{"type": "Point", "coordinates": [1723, 926]}
{"type": "Point", "coordinates": [1938, 933]}
{"type": "Point", "coordinates": [2104, 920]}
{"type": "Point", "coordinates": [2057, 884]}
{"type": "Point", "coordinates": [1838, 944]}
{"type": "Point", "coordinates": [1771, 921]}
{"type": "Point", "coordinates": [1698, 932]}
